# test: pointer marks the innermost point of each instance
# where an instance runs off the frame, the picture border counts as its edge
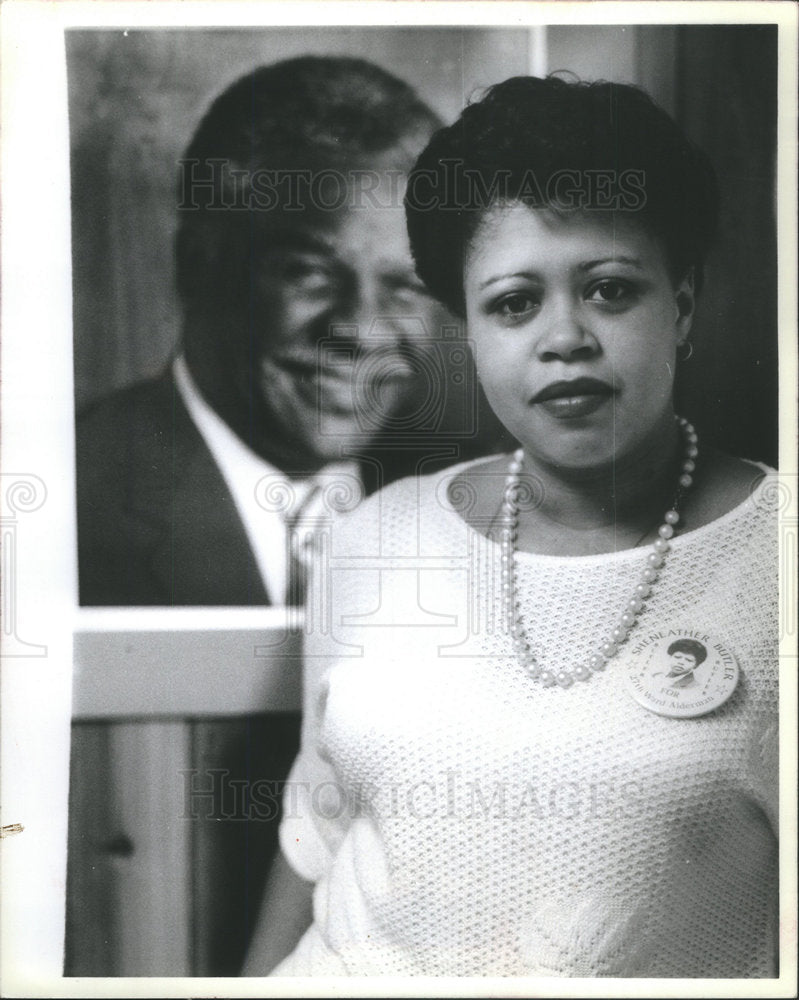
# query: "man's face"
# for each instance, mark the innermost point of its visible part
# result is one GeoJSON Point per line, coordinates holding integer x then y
{"type": "Point", "coordinates": [326, 344]}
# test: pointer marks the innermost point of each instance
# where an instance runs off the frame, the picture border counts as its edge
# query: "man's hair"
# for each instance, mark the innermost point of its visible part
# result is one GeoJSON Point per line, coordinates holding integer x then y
{"type": "Point", "coordinates": [691, 646]}
{"type": "Point", "coordinates": [313, 113]}
{"type": "Point", "coordinates": [565, 145]}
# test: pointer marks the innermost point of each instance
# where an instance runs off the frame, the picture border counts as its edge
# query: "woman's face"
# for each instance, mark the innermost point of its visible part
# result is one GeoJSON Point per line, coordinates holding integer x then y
{"type": "Point", "coordinates": [575, 323]}
{"type": "Point", "coordinates": [681, 663]}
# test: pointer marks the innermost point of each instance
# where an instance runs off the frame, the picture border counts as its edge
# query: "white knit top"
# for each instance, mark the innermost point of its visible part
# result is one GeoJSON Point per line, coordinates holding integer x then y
{"type": "Point", "coordinates": [460, 819]}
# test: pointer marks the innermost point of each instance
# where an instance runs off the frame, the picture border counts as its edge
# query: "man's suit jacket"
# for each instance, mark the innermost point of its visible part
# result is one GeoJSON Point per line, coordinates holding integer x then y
{"type": "Point", "coordinates": [157, 524]}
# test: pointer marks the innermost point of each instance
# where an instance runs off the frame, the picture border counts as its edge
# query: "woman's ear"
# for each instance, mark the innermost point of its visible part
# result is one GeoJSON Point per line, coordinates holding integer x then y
{"type": "Point", "coordinates": [685, 300]}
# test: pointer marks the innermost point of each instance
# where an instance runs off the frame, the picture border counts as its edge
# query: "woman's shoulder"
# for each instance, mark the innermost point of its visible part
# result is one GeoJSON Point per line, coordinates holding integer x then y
{"type": "Point", "coordinates": [727, 484]}
{"type": "Point", "coordinates": [442, 484]}
{"type": "Point", "coordinates": [399, 506]}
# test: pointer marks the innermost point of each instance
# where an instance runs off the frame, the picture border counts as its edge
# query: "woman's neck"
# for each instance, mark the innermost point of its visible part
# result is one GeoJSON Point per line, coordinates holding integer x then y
{"type": "Point", "coordinates": [600, 509]}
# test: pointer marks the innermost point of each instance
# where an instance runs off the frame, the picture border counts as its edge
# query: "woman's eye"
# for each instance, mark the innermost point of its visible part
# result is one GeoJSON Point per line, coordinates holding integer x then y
{"type": "Point", "coordinates": [610, 290]}
{"type": "Point", "coordinates": [516, 305]}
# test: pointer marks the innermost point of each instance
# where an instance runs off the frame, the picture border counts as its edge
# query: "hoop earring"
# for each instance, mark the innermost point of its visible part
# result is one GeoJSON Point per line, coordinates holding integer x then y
{"type": "Point", "coordinates": [685, 357]}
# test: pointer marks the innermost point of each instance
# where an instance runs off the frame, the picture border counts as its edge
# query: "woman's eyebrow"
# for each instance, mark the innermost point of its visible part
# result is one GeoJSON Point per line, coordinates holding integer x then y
{"type": "Point", "coordinates": [528, 275]}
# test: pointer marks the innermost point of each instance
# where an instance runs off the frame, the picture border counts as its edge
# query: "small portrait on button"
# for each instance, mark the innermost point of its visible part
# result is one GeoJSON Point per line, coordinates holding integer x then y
{"type": "Point", "coordinates": [684, 657]}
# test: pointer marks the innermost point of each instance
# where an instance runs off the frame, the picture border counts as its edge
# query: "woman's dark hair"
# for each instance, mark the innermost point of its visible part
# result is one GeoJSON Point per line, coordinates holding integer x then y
{"type": "Point", "coordinates": [565, 145]}
{"type": "Point", "coordinates": [691, 646]}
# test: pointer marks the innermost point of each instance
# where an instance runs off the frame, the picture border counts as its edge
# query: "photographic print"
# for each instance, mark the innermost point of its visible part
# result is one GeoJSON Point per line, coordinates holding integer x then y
{"type": "Point", "coordinates": [399, 499]}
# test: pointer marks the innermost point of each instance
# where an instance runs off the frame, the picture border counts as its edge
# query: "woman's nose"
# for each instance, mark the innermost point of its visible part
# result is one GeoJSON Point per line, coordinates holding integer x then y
{"type": "Point", "coordinates": [565, 333]}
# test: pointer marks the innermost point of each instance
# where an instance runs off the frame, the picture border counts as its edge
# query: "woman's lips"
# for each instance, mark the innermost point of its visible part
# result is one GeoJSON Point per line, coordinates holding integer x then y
{"type": "Point", "coordinates": [575, 398]}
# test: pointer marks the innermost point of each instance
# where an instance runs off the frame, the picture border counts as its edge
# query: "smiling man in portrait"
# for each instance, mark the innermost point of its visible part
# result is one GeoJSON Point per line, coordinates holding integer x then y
{"type": "Point", "coordinates": [305, 334]}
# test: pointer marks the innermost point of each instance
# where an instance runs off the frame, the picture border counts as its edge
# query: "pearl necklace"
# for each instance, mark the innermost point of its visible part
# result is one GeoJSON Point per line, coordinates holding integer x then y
{"type": "Point", "coordinates": [654, 563]}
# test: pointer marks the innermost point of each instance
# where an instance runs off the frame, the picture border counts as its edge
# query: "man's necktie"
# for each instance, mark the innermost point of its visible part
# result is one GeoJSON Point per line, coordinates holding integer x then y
{"type": "Point", "coordinates": [303, 521]}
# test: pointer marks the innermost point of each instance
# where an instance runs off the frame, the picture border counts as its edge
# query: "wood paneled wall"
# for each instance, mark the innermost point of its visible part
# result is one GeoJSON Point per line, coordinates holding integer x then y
{"type": "Point", "coordinates": [726, 93]}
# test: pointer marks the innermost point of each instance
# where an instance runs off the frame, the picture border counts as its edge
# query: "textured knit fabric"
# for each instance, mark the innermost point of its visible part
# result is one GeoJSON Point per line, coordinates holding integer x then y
{"type": "Point", "coordinates": [461, 819]}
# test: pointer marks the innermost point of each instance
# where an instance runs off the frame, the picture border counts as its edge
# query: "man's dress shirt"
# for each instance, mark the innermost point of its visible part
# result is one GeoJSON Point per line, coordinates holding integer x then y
{"type": "Point", "coordinates": [173, 508]}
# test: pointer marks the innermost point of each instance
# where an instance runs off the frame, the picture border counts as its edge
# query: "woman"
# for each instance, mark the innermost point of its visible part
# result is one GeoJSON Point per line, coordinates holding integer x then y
{"type": "Point", "coordinates": [493, 781]}
{"type": "Point", "coordinates": [685, 655]}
